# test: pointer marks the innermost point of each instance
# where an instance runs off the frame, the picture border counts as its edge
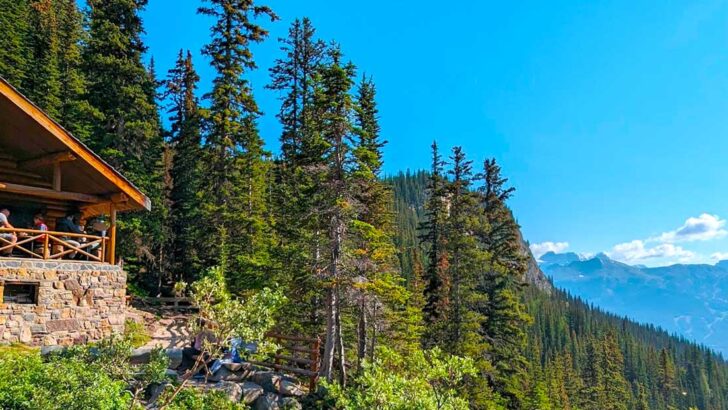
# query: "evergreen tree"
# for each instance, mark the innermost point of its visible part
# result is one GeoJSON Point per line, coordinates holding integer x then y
{"type": "Point", "coordinates": [185, 171]}
{"type": "Point", "coordinates": [43, 78]}
{"type": "Point", "coordinates": [334, 105]}
{"type": "Point", "coordinates": [53, 78]}
{"type": "Point", "coordinates": [299, 174]}
{"type": "Point", "coordinates": [75, 112]}
{"type": "Point", "coordinates": [13, 44]}
{"type": "Point", "coordinates": [294, 76]}
{"type": "Point", "coordinates": [505, 321]}
{"type": "Point", "coordinates": [236, 179]}
{"type": "Point", "coordinates": [128, 132]}
{"type": "Point", "coordinates": [616, 389]}
{"type": "Point", "coordinates": [437, 284]}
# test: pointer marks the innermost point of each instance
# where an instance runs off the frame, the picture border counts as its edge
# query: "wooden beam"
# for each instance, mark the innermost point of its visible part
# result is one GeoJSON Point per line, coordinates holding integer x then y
{"type": "Point", "coordinates": [48, 193]}
{"type": "Point", "coordinates": [112, 234]}
{"type": "Point", "coordinates": [74, 145]}
{"type": "Point", "coordinates": [49, 159]}
{"type": "Point", "coordinates": [56, 176]}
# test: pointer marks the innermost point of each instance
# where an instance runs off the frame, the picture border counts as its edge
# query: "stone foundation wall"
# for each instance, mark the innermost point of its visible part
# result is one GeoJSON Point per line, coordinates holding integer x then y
{"type": "Point", "coordinates": [76, 302]}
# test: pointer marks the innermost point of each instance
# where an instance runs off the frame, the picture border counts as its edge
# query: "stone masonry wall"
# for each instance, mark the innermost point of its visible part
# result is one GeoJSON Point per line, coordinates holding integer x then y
{"type": "Point", "coordinates": [77, 302]}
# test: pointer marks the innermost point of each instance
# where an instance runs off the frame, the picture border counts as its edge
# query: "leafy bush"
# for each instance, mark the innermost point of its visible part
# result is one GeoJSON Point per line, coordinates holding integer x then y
{"type": "Point", "coordinates": [190, 399]}
{"type": "Point", "coordinates": [65, 382]}
{"type": "Point", "coordinates": [424, 380]}
{"type": "Point", "coordinates": [136, 333]}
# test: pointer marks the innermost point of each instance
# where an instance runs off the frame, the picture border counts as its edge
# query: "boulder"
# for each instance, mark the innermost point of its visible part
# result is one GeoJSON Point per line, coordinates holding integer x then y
{"type": "Point", "coordinates": [268, 401]}
{"type": "Point", "coordinates": [251, 392]}
{"type": "Point", "coordinates": [289, 403]}
{"type": "Point", "coordinates": [233, 390]}
{"type": "Point", "coordinates": [288, 387]}
{"type": "Point", "coordinates": [141, 355]}
{"type": "Point", "coordinates": [171, 375]}
{"type": "Point", "coordinates": [175, 358]}
{"type": "Point", "coordinates": [155, 390]}
{"type": "Point", "coordinates": [223, 374]}
{"type": "Point", "coordinates": [268, 380]}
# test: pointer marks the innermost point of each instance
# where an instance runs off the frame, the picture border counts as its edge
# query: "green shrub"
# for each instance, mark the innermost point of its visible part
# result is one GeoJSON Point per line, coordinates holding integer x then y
{"type": "Point", "coordinates": [424, 380]}
{"type": "Point", "coordinates": [136, 333]}
{"type": "Point", "coordinates": [66, 383]}
{"type": "Point", "coordinates": [190, 399]}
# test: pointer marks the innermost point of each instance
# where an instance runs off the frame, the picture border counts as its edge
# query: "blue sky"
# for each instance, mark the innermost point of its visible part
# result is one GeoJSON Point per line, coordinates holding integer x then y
{"type": "Point", "coordinates": [609, 117]}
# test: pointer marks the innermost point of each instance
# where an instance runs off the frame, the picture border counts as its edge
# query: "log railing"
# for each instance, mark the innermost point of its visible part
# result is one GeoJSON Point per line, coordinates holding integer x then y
{"type": "Point", "coordinates": [297, 355]}
{"type": "Point", "coordinates": [49, 245]}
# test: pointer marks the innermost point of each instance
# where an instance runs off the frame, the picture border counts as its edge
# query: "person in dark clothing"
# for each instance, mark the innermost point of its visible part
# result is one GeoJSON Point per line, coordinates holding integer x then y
{"type": "Point", "coordinates": [68, 224]}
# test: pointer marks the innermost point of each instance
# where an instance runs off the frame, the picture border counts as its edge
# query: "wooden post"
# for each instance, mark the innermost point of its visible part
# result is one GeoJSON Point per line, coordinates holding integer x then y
{"type": "Point", "coordinates": [315, 358]}
{"type": "Point", "coordinates": [57, 176]}
{"type": "Point", "coordinates": [112, 234]}
{"type": "Point", "coordinates": [46, 249]}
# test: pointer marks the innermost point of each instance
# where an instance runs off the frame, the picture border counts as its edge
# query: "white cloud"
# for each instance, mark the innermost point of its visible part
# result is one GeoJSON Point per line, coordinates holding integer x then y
{"type": "Point", "coordinates": [538, 249]}
{"type": "Point", "coordinates": [637, 251]}
{"type": "Point", "coordinates": [719, 256]}
{"type": "Point", "coordinates": [703, 228]}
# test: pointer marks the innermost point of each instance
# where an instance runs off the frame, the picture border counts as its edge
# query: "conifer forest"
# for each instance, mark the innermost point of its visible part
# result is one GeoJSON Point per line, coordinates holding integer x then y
{"type": "Point", "coordinates": [423, 265]}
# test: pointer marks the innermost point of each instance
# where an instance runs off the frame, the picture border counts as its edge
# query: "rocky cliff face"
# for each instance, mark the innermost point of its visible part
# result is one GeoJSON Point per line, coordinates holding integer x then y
{"type": "Point", "coordinates": [534, 275]}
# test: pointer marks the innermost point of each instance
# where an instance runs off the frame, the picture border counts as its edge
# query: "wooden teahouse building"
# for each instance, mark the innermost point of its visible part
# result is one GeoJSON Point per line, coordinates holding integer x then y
{"type": "Point", "coordinates": [58, 287]}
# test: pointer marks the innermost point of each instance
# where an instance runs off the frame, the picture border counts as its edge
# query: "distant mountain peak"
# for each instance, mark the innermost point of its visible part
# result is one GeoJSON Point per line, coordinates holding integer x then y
{"type": "Point", "coordinates": [559, 258]}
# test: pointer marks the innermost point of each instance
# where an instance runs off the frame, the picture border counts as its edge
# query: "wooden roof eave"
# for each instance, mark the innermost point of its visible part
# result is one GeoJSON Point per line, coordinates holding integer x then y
{"type": "Point", "coordinates": [136, 200]}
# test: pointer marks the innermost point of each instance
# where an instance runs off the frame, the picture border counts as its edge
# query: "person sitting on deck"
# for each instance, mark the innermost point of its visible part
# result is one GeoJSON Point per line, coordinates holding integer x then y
{"type": "Point", "coordinates": [6, 236]}
{"type": "Point", "coordinates": [39, 225]}
{"type": "Point", "coordinates": [67, 224]}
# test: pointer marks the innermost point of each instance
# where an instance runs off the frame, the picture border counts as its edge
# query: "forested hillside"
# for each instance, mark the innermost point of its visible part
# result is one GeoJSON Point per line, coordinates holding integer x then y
{"type": "Point", "coordinates": [420, 285]}
{"type": "Point", "coordinates": [582, 357]}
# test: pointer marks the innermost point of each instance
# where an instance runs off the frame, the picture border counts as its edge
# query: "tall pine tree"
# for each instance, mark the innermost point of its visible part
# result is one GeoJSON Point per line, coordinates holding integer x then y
{"type": "Point", "coordinates": [127, 133]}
{"type": "Point", "coordinates": [185, 140]}
{"type": "Point", "coordinates": [236, 188]}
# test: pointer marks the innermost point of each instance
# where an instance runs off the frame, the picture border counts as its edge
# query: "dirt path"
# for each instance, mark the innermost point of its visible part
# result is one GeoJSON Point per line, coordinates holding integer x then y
{"type": "Point", "coordinates": [167, 329]}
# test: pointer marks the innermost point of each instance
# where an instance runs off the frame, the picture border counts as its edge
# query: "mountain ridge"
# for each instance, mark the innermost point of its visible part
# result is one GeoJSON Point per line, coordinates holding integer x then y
{"type": "Point", "coordinates": [684, 299]}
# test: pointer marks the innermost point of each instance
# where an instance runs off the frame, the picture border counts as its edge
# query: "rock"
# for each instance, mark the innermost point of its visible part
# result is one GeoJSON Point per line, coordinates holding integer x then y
{"type": "Point", "coordinates": [172, 375]}
{"type": "Point", "coordinates": [288, 387]}
{"type": "Point", "coordinates": [268, 380]}
{"type": "Point", "coordinates": [140, 355]}
{"type": "Point", "coordinates": [289, 403]}
{"type": "Point", "coordinates": [155, 390]}
{"type": "Point", "coordinates": [45, 350]}
{"type": "Point", "coordinates": [231, 389]}
{"type": "Point", "coordinates": [26, 336]}
{"type": "Point", "coordinates": [268, 401]}
{"type": "Point", "coordinates": [175, 358]}
{"type": "Point", "coordinates": [251, 392]}
{"type": "Point", "coordinates": [235, 367]}
{"type": "Point", "coordinates": [223, 374]}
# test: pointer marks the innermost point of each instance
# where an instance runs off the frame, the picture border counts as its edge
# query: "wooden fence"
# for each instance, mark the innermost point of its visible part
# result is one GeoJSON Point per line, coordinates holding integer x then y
{"type": "Point", "coordinates": [49, 245]}
{"type": "Point", "coordinates": [297, 355]}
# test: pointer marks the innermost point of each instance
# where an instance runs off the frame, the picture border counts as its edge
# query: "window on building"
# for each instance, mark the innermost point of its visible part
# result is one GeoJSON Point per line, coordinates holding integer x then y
{"type": "Point", "coordinates": [20, 292]}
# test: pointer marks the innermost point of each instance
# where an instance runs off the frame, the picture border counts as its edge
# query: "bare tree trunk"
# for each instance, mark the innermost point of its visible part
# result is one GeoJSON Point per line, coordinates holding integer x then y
{"type": "Point", "coordinates": [361, 332]}
{"type": "Point", "coordinates": [327, 365]}
{"type": "Point", "coordinates": [373, 347]}
{"type": "Point", "coordinates": [340, 342]}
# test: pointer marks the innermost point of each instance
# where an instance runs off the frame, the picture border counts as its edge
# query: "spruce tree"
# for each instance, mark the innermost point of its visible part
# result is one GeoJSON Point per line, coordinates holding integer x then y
{"type": "Point", "coordinates": [236, 180]}
{"type": "Point", "coordinates": [43, 77]}
{"type": "Point", "coordinates": [505, 317]}
{"type": "Point", "coordinates": [13, 43]}
{"type": "Point", "coordinates": [334, 104]}
{"type": "Point", "coordinates": [75, 112]}
{"type": "Point", "coordinates": [185, 172]}
{"type": "Point", "coordinates": [437, 283]}
{"type": "Point", "coordinates": [128, 131]}
{"type": "Point", "coordinates": [299, 174]}
{"type": "Point", "coordinates": [616, 389]}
